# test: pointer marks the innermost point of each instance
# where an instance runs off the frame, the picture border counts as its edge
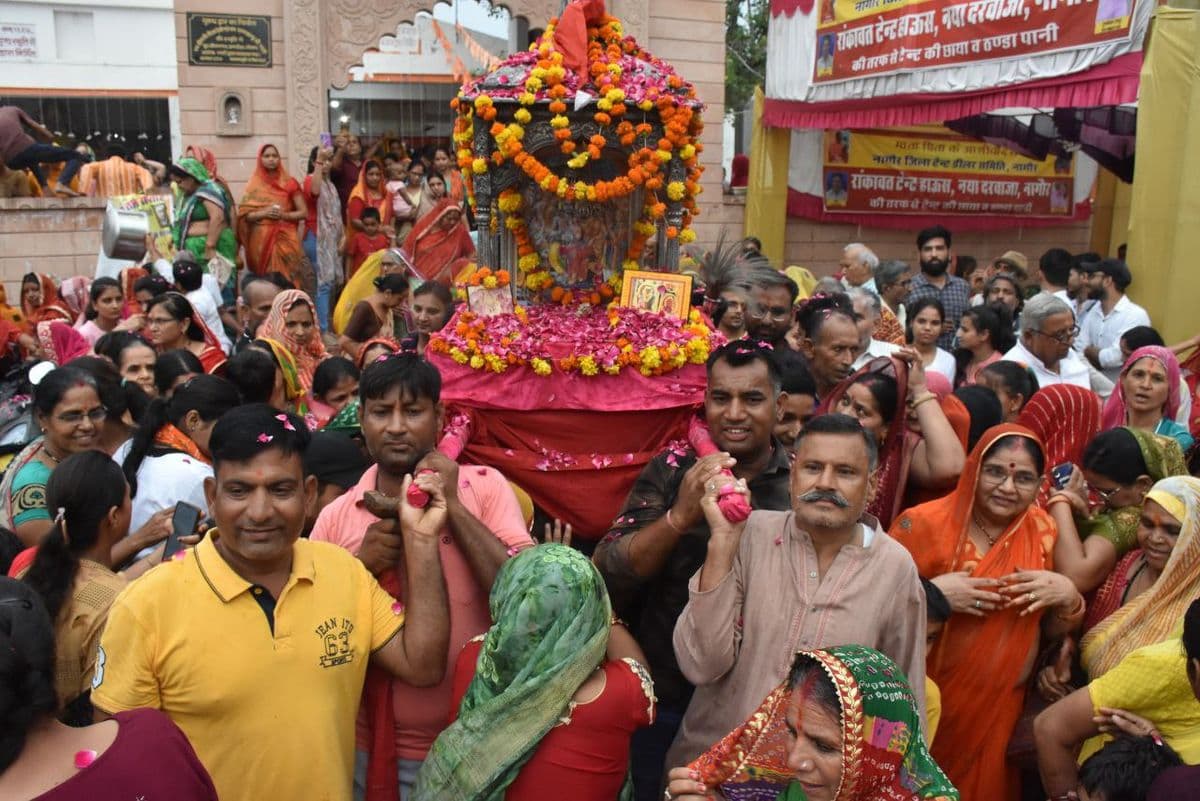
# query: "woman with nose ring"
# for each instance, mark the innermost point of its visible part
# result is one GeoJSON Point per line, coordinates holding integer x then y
{"type": "Point", "coordinates": [844, 726]}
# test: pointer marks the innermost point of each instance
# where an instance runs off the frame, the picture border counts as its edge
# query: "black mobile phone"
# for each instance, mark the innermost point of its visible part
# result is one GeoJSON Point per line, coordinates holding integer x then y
{"type": "Point", "coordinates": [183, 524]}
{"type": "Point", "coordinates": [1061, 474]}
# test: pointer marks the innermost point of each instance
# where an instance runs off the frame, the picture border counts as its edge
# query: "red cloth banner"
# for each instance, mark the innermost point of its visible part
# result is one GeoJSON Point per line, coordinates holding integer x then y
{"type": "Point", "coordinates": [860, 38]}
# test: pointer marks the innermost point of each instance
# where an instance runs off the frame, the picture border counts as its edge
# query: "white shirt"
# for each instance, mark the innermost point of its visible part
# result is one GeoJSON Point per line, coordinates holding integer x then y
{"type": "Point", "coordinates": [943, 362]}
{"type": "Point", "coordinates": [1072, 369]}
{"type": "Point", "coordinates": [1103, 331]}
{"type": "Point", "coordinates": [868, 285]}
{"type": "Point", "coordinates": [202, 302]}
{"type": "Point", "coordinates": [875, 349]}
{"type": "Point", "coordinates": [163, 481]}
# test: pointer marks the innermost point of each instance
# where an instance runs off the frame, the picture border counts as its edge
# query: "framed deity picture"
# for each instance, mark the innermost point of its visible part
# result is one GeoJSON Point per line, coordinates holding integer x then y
{"type": "Point", "coordinates": [666, 293]}
{"type": "Point", "coordinates": [490, 302]}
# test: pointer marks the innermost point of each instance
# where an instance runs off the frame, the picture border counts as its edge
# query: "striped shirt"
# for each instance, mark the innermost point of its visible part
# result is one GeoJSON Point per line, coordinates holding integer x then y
{"type": "Point", "coordinates": [114, 176]}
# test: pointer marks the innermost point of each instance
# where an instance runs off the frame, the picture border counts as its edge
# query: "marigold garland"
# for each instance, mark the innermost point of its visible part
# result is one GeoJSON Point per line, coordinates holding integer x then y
{"type": "Point", "coordinates": [618, 86]}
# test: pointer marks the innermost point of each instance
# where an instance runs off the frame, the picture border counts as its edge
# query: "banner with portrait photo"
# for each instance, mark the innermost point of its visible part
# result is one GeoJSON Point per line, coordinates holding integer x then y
{"type": "Point", "coordinates": [884, 63]}
{"type": "Point", "coordinates": [916, 171]}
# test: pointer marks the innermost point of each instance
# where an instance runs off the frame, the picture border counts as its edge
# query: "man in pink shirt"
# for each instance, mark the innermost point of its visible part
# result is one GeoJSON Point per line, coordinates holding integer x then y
{"type": "Point", "coordinates": [402, 418]}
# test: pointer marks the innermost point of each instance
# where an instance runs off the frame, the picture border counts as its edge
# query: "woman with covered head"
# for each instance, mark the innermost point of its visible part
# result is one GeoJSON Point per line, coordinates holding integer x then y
{"type": "Point", "coordinates": [548, 698]}
{"type": "Point", "coordinates": [989, 549]}
{"type": "Point", "coordinates": [924, 451]}
{"type": "Point", "coordinates": [292, 322]}
{"type": "Point", "coordinates": [204, 222]}
{"type": "Point", "coordinates": [1098, 510]}
{"type": "Point", "coordinates": [1146, 396]}
{"type": "Point", "coordinates": [271, 207]}
{"type": "Point", "coordinates": [440, 245]}
{"type": "Point", "coordinates": [173, 324]}
{"type": "Point", "coordinates": [844, 726]}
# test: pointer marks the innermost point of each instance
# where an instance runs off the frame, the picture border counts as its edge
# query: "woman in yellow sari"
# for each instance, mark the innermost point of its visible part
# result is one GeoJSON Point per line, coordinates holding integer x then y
{"type": "Point", "coordinates": [362, 285]}
{"type": "Point", "coordinates": [267, 217]}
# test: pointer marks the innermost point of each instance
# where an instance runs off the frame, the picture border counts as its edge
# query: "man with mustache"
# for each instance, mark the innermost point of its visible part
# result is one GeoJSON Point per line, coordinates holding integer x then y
{"type": "Point", "coordinates": [933, 248]}
{"type": "Point", "coordinates": [820, 575]}
{"type": "Point", "coordinates": [660, 537]}
{"type": "Point", "coordinates": [402, 416]}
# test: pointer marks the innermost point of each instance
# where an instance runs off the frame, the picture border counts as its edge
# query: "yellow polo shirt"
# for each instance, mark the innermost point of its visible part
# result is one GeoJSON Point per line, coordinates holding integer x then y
{"type": "Point", "coordinates": [267, 696]}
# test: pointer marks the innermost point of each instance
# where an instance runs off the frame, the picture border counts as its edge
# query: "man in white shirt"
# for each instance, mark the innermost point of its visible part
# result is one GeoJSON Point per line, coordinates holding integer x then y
{"type": "Point", "coordinates": [189, 278]}
{"type": "Point", "coordinates": [858, 267]}
{"type": "Point", "coordinates": [1101, 328]}
{"type": "Point", "coordinates": [1047, 331]}
{"type": "Point", "coordinates": [867, 308]}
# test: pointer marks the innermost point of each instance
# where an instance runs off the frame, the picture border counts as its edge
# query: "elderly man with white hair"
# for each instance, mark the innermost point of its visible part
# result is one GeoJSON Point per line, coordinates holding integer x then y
{"type": "Point", "coordinates": [1048, 330]}
{"type": "Point", "coordinates": [858, 267]}
{"type": "Point", "coordinates": [867, 308]}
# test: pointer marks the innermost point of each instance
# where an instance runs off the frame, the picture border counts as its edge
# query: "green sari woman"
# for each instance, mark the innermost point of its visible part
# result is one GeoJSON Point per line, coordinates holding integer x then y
{"type": "Point", "coordinates": [1119, 524]}
{"type": "Point", "coordinates": [869, 711]}
{"type": "Point", "coordinates": [552, 614]}
{"type": "Point", "coordinates": [203, 200]}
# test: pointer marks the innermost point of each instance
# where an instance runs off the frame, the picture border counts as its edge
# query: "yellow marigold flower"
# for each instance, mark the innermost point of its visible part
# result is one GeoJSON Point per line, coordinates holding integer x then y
{"type": "Point", "coordinates": [687, 151]}
{"type": "Point", "coordinates": [533, 84]}
{"type": "Point", "coordinates": [687, 236]}
{"type": "Point", "coordinates": [676, 190]}
{"type": "Point", "coordinates": [604, 104]}
{"type": "Point", "coordinates": [476, 362]}
{"type": "Point", "coordinates": [588, 366]}
{"type": "Point", "coordinates": [458, 356]}
{"type": "Point", "coordinates": [540, 366]}
{"type": "Point", "coordinates": [614, 95]}
{"type": "Point", "coordinates": [522, 116]}
{"type": "Point", "coordinates": [612, 369]}
{"type": "Point", "coordinates": [663, 155]}
{"type": "Point", "coordinates": [482, 101]}
{"type": "Point", "coordinates": [646, 105]}
{"type": "Point", "coordinates": [479, 166]}
{"type": "Point", "coordinates": [489, 282]}
{"type": "Point", "coordinates": [527, 98]}
{"type": "Point", "coordinates": [559, 121]}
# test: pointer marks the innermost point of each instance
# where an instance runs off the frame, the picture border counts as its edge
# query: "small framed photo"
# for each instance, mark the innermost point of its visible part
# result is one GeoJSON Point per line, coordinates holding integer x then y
{"type": "Point", "coordinates": [666, 293]}
{"type": "Point", "coordinates": [490, 302]}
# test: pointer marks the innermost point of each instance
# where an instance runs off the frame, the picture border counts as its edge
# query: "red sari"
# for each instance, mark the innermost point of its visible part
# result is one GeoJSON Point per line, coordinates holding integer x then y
{"type": "Point", "coordinates": [438, 254]}
{"type": "Point", "coordinates": [271, 245]}
{"type": "Point", "coordinates": [1065, 417]}
{"type": "Point", "coordinates": [51, 308]}
{"type": "Point", "coordinates": [362, 196]}
{"type": "Point", "coordinates": [979, 662]}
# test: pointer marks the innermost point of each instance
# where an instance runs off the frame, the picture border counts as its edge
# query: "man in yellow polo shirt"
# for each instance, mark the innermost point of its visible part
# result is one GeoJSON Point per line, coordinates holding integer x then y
{"type": "Point", "coordinates": [256, 643]}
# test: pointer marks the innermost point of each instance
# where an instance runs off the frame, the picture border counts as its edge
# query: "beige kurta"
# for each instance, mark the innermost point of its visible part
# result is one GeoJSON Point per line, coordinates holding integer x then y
{"type": "Point", "coordinates": [736, 642]}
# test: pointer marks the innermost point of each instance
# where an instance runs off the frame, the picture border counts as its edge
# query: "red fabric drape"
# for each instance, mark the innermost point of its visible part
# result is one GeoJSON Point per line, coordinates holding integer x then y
{"type": "Point", "coordinates": [576, 465]}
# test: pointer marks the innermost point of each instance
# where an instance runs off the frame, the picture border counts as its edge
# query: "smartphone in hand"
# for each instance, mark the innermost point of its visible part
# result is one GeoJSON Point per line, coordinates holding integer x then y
{"type": "Point", "coordinates": [183, 524]}
{"type": "Point", "coordinates": [1061, 474]}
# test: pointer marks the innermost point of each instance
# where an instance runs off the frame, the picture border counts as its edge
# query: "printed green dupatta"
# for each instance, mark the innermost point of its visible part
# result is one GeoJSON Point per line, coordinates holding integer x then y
{"type": "Point", "coordinates": [551, 614]}
{"type": "Point", "coordinates": [1163, 458]}
{"type": "Point", "coordinates": [883, 751]}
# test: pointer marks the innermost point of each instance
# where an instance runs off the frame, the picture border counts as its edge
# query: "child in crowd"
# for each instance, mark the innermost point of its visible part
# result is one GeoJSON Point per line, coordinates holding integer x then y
{"type": "Point", "coordinates": [365, 242]}
{"type": "Point", "coordinates": [1124, 769]}
{"type": "Point", "coordinates": [402, 209]}
{"type": "Point", "coordinates": [937, 612]}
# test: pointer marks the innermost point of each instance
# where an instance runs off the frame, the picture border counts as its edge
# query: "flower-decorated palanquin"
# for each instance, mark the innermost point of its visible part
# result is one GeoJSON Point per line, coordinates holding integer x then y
{"type": "Point", "coordinates": [582, 158]}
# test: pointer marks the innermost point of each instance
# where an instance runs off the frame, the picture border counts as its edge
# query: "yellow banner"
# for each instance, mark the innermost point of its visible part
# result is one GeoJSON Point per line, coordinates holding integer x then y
{"type": "Point", "coordinates": [926, 152]}
{"type": "Point", "coordinates": [834, 11]}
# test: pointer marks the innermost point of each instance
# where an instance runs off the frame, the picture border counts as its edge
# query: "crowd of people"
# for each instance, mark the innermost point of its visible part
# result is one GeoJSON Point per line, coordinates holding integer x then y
{"type": "Point", "coordinates": [969, 570]}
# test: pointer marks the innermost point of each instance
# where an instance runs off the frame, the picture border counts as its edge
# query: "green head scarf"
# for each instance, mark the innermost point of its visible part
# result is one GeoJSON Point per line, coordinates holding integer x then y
{"type": "Point", "coordinates": [346, 420]}
{"type": "Point", "coordinates": [551, 614]}
{"type": "Point", "coordinates": [883, 750]}
{"type": "Point", "coordinates": [1163, 458]}
{"type": "Point", "coordinates": [194, 168]}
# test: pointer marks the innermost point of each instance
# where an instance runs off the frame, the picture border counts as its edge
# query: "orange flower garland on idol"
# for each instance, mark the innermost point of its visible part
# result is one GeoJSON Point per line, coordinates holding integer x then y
{"type": "Point", "coordinates": [628, 87]}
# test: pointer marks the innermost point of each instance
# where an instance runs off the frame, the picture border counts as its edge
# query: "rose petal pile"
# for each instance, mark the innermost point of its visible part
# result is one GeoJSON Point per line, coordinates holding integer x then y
{"type": "Point", "coordinates": [584, 339]}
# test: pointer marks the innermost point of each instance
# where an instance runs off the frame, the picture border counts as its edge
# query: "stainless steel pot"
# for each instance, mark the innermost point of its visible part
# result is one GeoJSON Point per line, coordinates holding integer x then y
{"type": "Point", "coordinates": [124, 234]}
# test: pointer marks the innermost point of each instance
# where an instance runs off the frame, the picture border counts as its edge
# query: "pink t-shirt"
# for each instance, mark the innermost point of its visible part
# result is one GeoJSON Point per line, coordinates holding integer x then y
{"type": "Point", "coordinates": [421, 711]}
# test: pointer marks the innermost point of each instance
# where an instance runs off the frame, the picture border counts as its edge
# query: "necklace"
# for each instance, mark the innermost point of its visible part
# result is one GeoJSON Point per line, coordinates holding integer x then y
{"type": "Point", "coordinates": [49, 455]}
{"type": "Point", "coordinates": [990, 539]}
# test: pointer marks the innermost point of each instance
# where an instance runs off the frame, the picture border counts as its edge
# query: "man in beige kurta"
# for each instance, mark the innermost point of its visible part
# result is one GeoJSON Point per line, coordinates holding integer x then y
{"type": "Point", "coordinates": [821, 575]}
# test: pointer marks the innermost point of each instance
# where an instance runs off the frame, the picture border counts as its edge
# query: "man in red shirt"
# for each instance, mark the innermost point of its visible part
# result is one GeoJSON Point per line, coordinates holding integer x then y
{"type": "Point", "coordinates": [402, 417]}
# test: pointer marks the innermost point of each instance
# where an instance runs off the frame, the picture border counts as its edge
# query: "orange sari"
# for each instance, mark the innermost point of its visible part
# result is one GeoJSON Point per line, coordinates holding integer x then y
{"type": "Point", "coordinates": [435, 253]}
{"type": "Point", "coordinates": [979, 663]}
{"type": "Point", "coordinates": [271, 245]}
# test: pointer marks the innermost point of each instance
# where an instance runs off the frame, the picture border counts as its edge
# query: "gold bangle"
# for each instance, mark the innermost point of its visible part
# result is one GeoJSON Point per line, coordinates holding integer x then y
{"type": "Point", "coordinates": [928, 396]}
{"type": "Point", "coordinates": [616, 621]}
{"type": "Point", "coordinates": [1057, 498]}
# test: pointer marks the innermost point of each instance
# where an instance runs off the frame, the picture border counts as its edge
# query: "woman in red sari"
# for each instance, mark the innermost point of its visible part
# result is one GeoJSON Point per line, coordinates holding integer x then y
{"type": "Point", "coordinates": [990, 549]}
{"type": "Point", "coordinates": [267, 217]}
{"type": "Point", "coordinates": [40, 301]}
{"type": "Point", "coordinates": [369, 191]}
{"type": "Point", "coordinates": [173, 324]}
{"type": "Point", "coordinates": [439, 245]}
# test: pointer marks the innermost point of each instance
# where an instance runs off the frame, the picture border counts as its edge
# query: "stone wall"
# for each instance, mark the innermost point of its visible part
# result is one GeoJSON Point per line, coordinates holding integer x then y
{"type": "Point", "coordinates": [59, 237]}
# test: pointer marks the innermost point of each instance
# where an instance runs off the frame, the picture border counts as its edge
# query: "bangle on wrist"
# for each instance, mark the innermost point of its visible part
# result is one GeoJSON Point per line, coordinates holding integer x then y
{"type": "Point", "coordinates": [917, 401]}
{"type": "Point", "coordinates": [1076, 610]}
{"type": "Point", "coordinates": [1058, 497]}
{"type": "Point", "coordinates": [671, 523]}
{"type": "Point", "coordinates": [616, 621]}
